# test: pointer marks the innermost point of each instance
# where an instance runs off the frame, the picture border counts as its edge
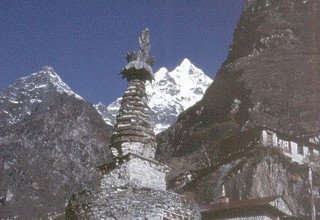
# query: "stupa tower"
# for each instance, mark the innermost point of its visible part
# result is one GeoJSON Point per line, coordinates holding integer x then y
{"type": "Point", "coordinates": [133, 132]}
{"type": "Point", "coordinates": [133, 185]}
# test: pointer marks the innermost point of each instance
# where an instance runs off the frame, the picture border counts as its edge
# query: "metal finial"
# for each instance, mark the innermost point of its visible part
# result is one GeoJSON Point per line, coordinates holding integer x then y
{"type": "Point", "coordinates": [143, 53]}
{"type": "Point", "coordinates": [144, 41]}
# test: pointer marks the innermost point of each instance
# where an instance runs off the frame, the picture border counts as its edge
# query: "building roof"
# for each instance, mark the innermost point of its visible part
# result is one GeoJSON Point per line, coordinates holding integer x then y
{"type": "Point", "coordinates": [273, 205]}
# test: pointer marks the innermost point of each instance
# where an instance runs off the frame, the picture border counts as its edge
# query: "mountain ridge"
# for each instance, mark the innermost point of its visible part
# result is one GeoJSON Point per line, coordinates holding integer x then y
{"type": "Point", "coordinates": [26, 93]}
{"type": "Point", "coordinates": [50, 148]}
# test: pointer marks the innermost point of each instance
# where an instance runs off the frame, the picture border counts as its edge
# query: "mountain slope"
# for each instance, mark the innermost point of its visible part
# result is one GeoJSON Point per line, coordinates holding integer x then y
{"type": "Point", "coordinates": [169, 94]}
{"type": "Point", "coordinates": [51, 142]}
{"type": "Point", "coordinates": [270, 78]}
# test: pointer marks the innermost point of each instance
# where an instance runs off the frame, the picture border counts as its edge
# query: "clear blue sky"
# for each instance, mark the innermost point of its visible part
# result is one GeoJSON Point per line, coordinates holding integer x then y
{"type": "Point", "coordinates": [86, 41]}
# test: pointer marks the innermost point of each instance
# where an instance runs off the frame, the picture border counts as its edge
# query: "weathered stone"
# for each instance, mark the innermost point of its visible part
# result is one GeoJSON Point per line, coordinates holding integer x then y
{"type": "Point", "coordinates": [131, 204]}
{"type": "Point", "coordinates": [137, 128]}
{"type": "Point", "coordinates": [131, 147]}
{"type": "Point", "coordinates": [123, 139]}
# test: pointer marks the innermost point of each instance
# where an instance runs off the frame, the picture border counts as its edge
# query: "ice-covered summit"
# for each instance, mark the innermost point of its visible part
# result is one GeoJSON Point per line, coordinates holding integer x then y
{"type": "Point", "coordinates": [19, 99]}
{"type": "Point", "coordinates": [48, 76]}
{"type": "Point", "coordinates": [171, 93]}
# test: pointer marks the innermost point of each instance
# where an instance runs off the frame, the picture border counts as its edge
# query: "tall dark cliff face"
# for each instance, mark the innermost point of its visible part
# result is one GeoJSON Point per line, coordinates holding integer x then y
{"type": "Point", "coordinates": [272, 68]}
{"type": "Point", "coordinates": [271, 77]}
{"type": "Point", "coordinates": [51, 151]}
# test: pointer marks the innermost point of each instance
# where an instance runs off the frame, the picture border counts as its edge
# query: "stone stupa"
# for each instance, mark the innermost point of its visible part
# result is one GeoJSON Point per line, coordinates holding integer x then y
{"type": "Point", "coordinates": [133, 185]}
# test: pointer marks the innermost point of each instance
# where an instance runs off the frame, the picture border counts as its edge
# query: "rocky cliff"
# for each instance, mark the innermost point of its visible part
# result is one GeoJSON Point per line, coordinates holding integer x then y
{"type": "Point", "coordinates": [270, 78]}
{"type": "Point", "coordinates": [51, 143]}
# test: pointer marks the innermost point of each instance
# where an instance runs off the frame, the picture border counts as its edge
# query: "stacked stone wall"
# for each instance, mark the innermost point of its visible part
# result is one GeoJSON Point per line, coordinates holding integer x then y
{"type": "Point", "coordinates": [131, 204]}
{"type": "Point", "coordinates": [136, 173]}
{"type": "Point", "coordinates": [133, 120]}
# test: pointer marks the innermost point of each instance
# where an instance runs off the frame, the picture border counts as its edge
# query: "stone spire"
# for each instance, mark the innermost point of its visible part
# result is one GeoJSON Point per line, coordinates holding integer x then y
{"type": "Point", "coordinates": [133, 132]}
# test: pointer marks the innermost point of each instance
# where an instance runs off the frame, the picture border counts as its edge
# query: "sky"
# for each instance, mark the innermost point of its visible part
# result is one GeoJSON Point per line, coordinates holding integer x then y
{"type": "Point", "coordinates": [86, 41]}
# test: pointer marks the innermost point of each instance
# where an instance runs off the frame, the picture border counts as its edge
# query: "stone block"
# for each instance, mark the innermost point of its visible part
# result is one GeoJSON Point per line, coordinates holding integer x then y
{"type": "Point", "coordinates": [137, 172]}
{"type": "Point", "coordinates": [132, 147]}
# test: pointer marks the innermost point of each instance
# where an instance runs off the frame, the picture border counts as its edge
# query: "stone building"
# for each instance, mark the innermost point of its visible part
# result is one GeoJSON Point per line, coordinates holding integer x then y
{"type": "Point", "coordinates": [133, 185]}
{"type": "Point", "coordinates": [297, 148]}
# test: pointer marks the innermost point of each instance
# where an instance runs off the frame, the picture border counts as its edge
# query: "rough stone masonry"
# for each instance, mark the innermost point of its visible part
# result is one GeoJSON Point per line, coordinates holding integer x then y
{"type": "Point", "coordinates": [133, 185]}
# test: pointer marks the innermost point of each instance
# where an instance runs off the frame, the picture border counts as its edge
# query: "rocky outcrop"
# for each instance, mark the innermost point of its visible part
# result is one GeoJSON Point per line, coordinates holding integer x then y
{"type": "Point", "coordinates": [261, 173]}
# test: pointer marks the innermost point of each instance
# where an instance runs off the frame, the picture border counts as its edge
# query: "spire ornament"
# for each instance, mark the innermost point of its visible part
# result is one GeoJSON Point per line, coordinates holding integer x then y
{"type": "Point", "coordinates": [144, 42]}
{"type": "Point", "coordinates": [140, 61]}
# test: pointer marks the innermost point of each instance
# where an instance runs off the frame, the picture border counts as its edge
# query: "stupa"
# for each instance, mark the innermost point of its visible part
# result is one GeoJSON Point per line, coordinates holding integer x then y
{"type": "Point", "coordinates": [133, 185]}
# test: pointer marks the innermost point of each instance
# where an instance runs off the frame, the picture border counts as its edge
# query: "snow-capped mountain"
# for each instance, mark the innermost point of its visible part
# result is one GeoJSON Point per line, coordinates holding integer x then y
{"type": "Point", "coordinates": [51, 143]}
{"type": "Point", "coordinates": [171, 93]}
{"type": "Point", "coordinates": [21, 98]}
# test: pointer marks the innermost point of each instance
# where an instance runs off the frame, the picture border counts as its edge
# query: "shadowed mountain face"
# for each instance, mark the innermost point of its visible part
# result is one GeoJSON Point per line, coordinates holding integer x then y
{"type": "Point", "coordinates": [272, 68]}
{"type": "Point", "coordinates": [51, 143]}
{"type": "Point", "coordinates": [271, 77]}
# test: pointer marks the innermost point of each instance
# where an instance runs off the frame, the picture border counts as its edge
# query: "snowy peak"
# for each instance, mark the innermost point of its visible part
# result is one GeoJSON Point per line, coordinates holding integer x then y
{"type": "Point", "coordinates": [173, 92]}
{"type": "Point", "coordinates": [48, 77]}
{"type": "Point", "coordinates": [185, 62]}
{"type": "Point", "coordinates": [185, 84]}
{"type": "Point", "coordinates": [185, 65]}
{"type": "Point", "coordinates": [109, 113]}
{"type": "Point", "coordinates": [18, 100]}
{"type": "Point", "coordinates": [168, 95]}
{"type": "Point", "coordinates": [160, 74]}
